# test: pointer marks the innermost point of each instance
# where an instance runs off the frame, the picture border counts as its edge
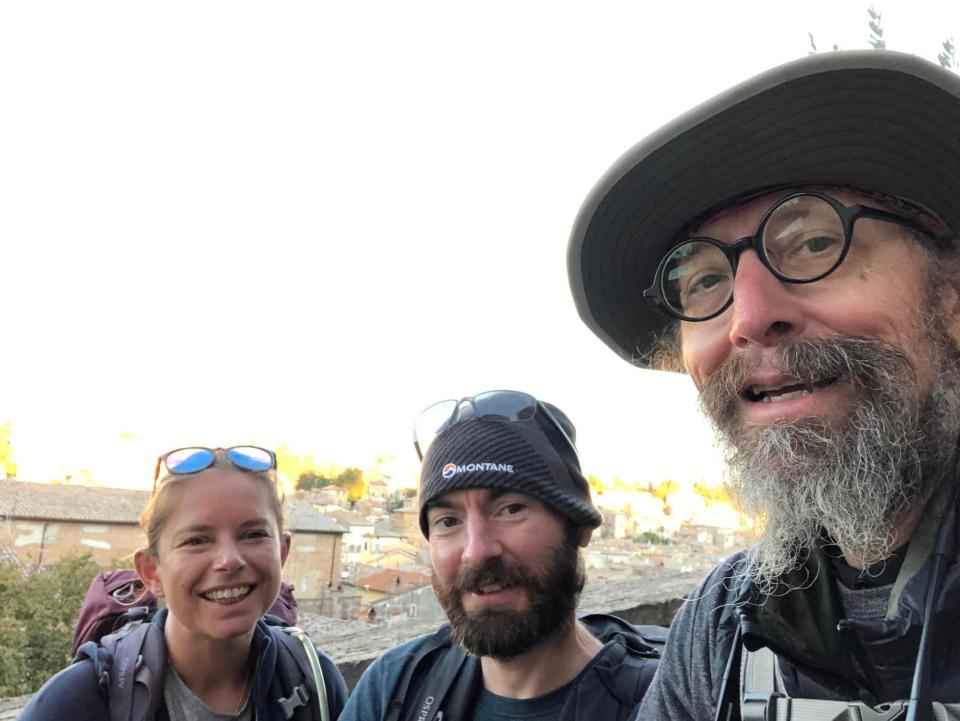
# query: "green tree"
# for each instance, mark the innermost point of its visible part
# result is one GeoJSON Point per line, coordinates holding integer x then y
{"type": "Point", "coordinates": [395, 501]}
{"type": "Point", "coordinates": [654, 538]}
{"type": "Point", "coordinates": [876, 30]}
{"type": "Point", "coordinates": [666, 488]}
{"type": "Point", "coordinates": [37, 617]}
{"type": "Point", "coordinates": [712, 494]}
{"type": "Point", "coordinates": [596, 484]}
{"type": "Point", "coordinates": [7, 466]}
{"type": "Point", "coordinates": [55, 597]}
{"type": "Point", "coordinates": [13, 632]}
{"type": "Point", "coordinates": [312, 479]}
{"type": "Point", "coordinates": [352, 479]}
{"type": "Point", "coordinates": [947, 56]}
{"type": "Point", "coordinates": [813, 45]}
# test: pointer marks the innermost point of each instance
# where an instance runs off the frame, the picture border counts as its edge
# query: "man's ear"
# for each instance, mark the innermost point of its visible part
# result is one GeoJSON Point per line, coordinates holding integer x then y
{"type": "Point", "coordinates": [286, 540]}
{"type": "Point", "coordinates": [585, 535]}
{"type": "Point", "coordinates": [949, 299]}
{"type": "Point", "coordinates": [148, 571]}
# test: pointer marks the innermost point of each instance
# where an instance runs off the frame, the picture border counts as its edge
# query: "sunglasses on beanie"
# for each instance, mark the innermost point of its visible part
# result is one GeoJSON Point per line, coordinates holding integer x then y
{"type": "Point", "coordinates": [510, 406]}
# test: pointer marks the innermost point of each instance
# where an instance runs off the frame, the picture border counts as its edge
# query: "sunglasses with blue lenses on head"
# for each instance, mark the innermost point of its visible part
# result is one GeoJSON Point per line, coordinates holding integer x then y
{"type": "Point", "coordinates": [194, 459]}
{"type": "Point", "coordinates": [511, 406]}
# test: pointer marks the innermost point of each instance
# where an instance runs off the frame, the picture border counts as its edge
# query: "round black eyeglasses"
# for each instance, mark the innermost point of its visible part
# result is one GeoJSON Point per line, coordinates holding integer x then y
{"type": "Point", "coordinates": [804, 237]}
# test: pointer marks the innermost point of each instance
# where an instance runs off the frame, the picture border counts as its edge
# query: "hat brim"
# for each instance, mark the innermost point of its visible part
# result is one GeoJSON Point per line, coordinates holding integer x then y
{"type": "Point", "coordinates": [880, 121]}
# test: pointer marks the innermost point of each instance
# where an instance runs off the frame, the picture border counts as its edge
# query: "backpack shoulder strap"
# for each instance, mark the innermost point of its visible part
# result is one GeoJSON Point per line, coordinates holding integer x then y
{"type": "Point", "coordinates": [428, 678]}
{"type": "Point", "coordinates": [297, 641]}
{"type": "Point", "coordinates": [137, 657]}
{"type": "Point", "coordinates": [628, 662]}
{"type": "Point", "coordinates": [728, 699]}
{"type": "Point", "coordinates": [762, 697]}
{"type": "Point", "coordinates": [758, 683]}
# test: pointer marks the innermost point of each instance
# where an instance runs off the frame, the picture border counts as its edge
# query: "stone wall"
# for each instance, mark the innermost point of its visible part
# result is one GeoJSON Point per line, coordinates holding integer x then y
{"type": "Point", "coordinates": [313, 565]}
{"type": "Point", "coordinates": [647, 600]}
{"type": "Point", "coordinates": [314, 560]}
{"type": "Point", "coordinates": [10, 708]}
{"type": "Point", "coordinates": [48, 541]}
{"type": "Point", "coordinates": [354, 645]}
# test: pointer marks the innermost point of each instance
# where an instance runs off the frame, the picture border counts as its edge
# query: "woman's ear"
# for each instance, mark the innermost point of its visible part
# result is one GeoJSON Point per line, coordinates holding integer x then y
{"type": "Point", "coordinates": [286, 540]}
{"type": "Point", "coordinates": [148, 571]}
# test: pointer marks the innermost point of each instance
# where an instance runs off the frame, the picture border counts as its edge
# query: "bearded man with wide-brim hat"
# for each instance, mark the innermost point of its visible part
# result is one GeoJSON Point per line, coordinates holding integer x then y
{"type": "Point", "coordinates": [791, 246]}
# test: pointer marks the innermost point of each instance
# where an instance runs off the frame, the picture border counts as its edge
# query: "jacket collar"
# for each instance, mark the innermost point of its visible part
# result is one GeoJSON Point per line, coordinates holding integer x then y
{"type": "Point", "coordinates": [266, 686]}
{"type": "Point", "coordinates": [802, 622]}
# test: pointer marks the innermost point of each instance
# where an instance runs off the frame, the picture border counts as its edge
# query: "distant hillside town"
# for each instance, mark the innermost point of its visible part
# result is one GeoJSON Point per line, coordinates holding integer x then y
{"type": "Point", "coordinates": [358, 552]}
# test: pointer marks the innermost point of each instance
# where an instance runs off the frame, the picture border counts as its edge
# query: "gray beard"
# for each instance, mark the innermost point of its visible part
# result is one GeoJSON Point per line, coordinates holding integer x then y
{"type": "Point", "coordinates": [807, 478]}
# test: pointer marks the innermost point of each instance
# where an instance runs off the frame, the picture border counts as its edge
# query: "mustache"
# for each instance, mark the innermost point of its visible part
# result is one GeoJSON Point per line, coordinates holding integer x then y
{"type": "Point", "coordinates": [864, 362]}
{"type": "Point", "coordinates": [493, 571]}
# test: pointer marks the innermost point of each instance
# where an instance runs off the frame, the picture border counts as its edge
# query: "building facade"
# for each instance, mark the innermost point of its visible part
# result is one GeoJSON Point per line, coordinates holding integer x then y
{"type": "Point", "coordinates": [40, 523]}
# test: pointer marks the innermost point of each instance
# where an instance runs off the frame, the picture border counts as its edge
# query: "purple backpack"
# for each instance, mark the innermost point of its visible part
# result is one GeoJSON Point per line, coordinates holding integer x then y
{"type": "Point", "coordinates": [114, 598]}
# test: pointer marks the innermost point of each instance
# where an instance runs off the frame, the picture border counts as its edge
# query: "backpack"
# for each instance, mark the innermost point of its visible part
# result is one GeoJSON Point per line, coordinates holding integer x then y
{"type": "Point", "coordinates": [436, 669]}
{"type": "Point", "coordinates": [443, 680]}
{"type": "Point", "coordinates": [115, 598]}
{"type": "Point", "coordinates": [129, 664]}
{"type": "Point", "coordinates": [762, 697]}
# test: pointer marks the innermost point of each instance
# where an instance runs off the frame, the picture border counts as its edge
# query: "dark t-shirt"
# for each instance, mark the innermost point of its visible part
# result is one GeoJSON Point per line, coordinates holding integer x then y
{"type": "Point", "coordinates": [491, 707]}
{"type": "Point", "coordinates": [881, 573]}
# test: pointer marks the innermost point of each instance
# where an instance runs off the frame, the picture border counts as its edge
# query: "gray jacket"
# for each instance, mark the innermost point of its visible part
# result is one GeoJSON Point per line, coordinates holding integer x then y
{"type": "Point", "coordinates": [822, 653]}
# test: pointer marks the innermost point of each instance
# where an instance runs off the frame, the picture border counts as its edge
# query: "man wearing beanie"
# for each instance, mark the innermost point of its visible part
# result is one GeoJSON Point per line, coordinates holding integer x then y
{"type": "Point", "coordinates": [791, 245]}
{"type": "Point", "coordinates": [505, 509]}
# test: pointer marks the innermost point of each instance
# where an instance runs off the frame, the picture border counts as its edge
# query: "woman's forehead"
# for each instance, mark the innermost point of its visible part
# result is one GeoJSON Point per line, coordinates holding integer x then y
{"type": "Point", "coordinates": [217, 491]}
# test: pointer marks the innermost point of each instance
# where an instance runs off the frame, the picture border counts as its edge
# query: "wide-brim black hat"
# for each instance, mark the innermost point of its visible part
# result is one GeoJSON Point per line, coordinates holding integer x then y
{"type": "Point", "coordinates": [876, 120]}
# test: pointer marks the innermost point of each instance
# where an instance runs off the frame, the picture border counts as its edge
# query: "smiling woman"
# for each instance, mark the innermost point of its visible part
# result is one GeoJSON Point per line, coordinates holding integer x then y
{"type": "Point", "coordinates": [214, 554]}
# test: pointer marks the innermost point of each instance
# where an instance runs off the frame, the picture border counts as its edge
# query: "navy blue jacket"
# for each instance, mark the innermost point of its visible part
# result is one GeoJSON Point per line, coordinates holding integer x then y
{"type": "Point", "coordinates": [79, 692]}
{"type": "Point", "coordinates": [610, 687]}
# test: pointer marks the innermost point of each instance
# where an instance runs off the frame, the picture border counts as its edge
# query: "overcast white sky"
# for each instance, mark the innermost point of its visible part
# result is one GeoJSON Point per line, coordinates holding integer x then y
{"type": "Point", "coordinates": [301, 223]}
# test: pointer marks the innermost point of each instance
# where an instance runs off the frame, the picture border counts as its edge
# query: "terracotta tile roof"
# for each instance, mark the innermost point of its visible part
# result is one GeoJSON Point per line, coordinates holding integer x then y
{"type": "Point", "coordinates": [48, 502]}
{"type": "Point", "coordinates": [390, 580]}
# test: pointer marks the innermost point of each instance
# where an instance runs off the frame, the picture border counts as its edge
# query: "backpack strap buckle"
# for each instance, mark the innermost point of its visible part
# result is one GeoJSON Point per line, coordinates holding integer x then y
{"type": "Point", "coordinates": [298, 697]}
{"type": "Point", "coordinates": [761, 706]}
{"type": "Point", "coordinates": [892, 711]}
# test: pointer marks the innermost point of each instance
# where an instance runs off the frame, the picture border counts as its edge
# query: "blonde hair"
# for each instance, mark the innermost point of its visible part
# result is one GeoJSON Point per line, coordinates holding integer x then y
{"type": "Point", "coordinates": [159, 506]}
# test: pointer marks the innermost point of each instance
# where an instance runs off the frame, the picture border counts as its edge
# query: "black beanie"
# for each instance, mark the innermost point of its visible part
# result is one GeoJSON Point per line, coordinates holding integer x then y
{"type": "Point", "coordinates": [507, 455]}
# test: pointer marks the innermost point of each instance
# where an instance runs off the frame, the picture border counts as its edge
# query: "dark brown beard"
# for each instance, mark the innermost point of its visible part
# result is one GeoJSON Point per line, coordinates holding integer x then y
{"type": "Point", "coordinates": [505, 633]}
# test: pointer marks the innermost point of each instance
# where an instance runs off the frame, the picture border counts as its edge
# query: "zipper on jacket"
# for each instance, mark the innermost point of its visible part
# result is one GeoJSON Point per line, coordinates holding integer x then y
{"type": "Point", "coordinates": [864, 667]}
